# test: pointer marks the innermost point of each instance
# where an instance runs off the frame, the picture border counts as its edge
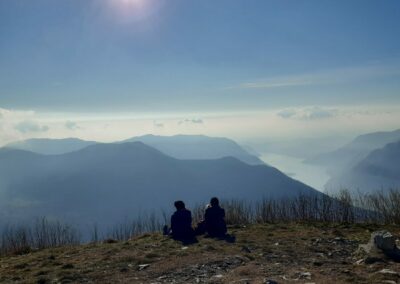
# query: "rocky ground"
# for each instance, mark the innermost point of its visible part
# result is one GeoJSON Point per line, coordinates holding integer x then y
{"type": "Point", "coordinates": [273, 253]}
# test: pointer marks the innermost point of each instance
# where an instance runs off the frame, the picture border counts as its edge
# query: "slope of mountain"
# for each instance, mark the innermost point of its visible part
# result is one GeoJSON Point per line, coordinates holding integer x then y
{"type": "Point", "coordinates": [351, 154]}
{"type": "Point", "coordinates": [105, 182]}
{"type": "Point", "coordinates": [190, 147]}
{"type": "Point", "coordinates": [50, 146]}
{"type": "Point", "coordinates": [379, 170]}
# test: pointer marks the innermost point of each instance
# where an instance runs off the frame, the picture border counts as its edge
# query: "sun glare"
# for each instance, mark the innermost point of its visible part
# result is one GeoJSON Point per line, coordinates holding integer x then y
{"type": "Point", "coordinates": [135, 3]}
{"type": "Point", "coordinates": [133, 10]}
{"type": "Point", "coordinates": [132, 5]}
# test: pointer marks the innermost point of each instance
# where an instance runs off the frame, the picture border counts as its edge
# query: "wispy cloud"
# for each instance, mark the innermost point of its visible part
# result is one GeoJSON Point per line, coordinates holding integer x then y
{"type": "Point", "coordinates": [158, 124]}
{"type": "Point", "coordinates": [71, 125]}
{"type": "Point", "coordinates": [277, 82]}
{"type": "Point", "coordinates": [18, 124]}
{"type": "Point", "coordinates": [27, 126]}
{"type": "Point", "coordinates": [323, 77]}
{"type": "Point", "coordinates": [7, 114]}
{"type": "Point", "coordinates": [290, 122]}
{"type": "Point", "coordinates": [308, 113]}
{"type": "Point", "coordinates": [191, 121]}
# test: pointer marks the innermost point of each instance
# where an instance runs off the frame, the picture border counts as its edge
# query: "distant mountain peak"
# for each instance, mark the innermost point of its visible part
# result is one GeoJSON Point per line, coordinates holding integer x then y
{"type": "Point", "coordinates": [180, 146]}
{"type": "Point", "coordinates": [47, 146]}
{"type": "Point", "coordinates": [379, 170]}
{"type": "Point", "coordinates": [355, 151]}
{"type": "Point", "coordinates": [189, 147]}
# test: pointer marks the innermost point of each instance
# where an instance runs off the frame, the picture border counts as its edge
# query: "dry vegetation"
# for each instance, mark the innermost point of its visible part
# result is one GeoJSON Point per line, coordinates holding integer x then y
{"type": "Point", "coordinates": [303, 240]}
{"type": "Point", "coordinates": [285, 253]}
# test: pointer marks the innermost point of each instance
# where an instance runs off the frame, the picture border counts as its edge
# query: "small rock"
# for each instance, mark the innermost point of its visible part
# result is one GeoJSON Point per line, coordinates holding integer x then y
{"type": "Point", "coordinates": [143, 266]}
{"type": "Point", "coordinates": [185, 248]}
{"type": "Point", "coordinates": [276, 244]}
{"type": "Point", "coordinates": [318, 240]}
{"type": "Point", "coordinates": [218, 276]}
{"type": "Point", "coordinates": [388, 271]}
{"type": "Point", "coordinates": [360, 261]}
{"type": "Point", "coordinates": [383, 240]}
{"type": "Point", "coordinates": [246, 249]}
{"type": "Point", "coordinates": [305, 275]}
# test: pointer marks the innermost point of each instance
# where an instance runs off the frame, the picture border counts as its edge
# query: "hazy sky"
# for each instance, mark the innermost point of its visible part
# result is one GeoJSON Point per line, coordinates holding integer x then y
{"type": "Point", "coordinates": [110, 69]}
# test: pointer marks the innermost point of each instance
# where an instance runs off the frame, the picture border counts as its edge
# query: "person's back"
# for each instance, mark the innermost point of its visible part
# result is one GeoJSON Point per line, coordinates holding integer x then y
{"type": "Point", "coordinates": [215, 219]}
{"type": "Point", "coordinates": [181, 223]}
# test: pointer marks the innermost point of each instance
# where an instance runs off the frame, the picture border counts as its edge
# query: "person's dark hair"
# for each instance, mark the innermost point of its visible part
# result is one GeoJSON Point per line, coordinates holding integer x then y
{"type": "Point", "coordinates": [214, 201]}
{"type": "Point", "coordinates": [179, 205]}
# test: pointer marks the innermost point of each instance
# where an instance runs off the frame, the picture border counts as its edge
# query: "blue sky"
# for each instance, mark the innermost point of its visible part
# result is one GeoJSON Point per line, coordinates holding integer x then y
{"type": "Point", "coordinates": [178, 54]}
{"type": "Point", "coordinates": [198, 57]}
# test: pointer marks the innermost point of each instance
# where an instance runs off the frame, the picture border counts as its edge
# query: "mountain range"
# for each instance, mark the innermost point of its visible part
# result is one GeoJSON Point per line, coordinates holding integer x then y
{"type": "Point", "coordinates": [190, 147]}
{"type": "Point", "coordinates": [187, 147]}
{"type": "Point", "coordinates": [348, 156]}
{"type": "Point", "coordinates": [47, 146]}
{"type": "Point", "coordinates": [379, 170]}
{"type": "Point", "coordinates": [105, 182]}
{"type": "Point", "coordinates": [367, 164]}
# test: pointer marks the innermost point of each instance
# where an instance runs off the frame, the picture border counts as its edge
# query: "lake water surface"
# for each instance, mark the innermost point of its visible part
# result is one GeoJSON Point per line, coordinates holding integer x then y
{"type": "Point", "coordinates": [311, 175]}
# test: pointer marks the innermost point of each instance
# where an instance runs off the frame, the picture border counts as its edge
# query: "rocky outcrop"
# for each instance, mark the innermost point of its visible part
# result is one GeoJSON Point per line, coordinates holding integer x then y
{"type": "Point", "coordinates": [382, 246]}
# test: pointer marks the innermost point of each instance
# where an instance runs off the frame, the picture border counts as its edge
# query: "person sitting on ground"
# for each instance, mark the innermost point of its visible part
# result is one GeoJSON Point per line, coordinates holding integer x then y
{"type": "Point", "coordinates": [181, 223]}
{"type": "Point", "coordinates": [214, 218]}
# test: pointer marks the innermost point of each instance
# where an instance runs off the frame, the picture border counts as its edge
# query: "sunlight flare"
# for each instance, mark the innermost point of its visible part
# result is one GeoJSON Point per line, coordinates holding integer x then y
{"type": "Point", "coordinates": [132, 3]}
{"type": "Point", "coordinates": [128, 11]}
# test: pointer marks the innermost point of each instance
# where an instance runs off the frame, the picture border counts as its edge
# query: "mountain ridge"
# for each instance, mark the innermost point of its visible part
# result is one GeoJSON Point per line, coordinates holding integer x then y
{"type": "Point", "coordinates": [191, 147]}
{"type": "Point", "coordinates": [378, 171]}
{"type": "Point", "coordinates": [108, 181]}
{"type": "Point", "coordinates": [50, 146]}
{"type": "Point", "coordinates": [197, 147]}
{"type": "Point", "coordinates": [352, 153]}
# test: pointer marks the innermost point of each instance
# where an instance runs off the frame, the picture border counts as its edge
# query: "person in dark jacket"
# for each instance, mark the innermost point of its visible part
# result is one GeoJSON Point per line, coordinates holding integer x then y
{"type": "Point", "coordinates": [214, 219]}
{"type": "Point", "coordinates": [181, 223]}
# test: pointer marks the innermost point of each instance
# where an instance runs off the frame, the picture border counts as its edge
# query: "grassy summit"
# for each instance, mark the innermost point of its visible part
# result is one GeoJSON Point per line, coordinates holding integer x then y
{"type": "Point", "coordinates": [285, 253]}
